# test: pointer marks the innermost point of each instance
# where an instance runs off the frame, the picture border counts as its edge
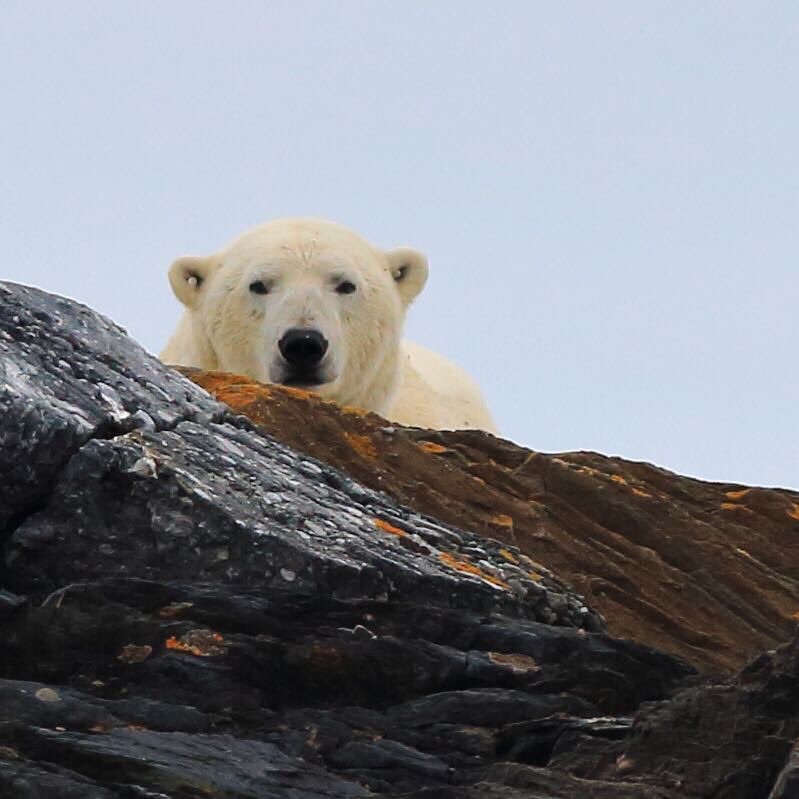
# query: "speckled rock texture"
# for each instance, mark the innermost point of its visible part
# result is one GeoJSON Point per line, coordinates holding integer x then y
{"type": "Point", "coordinates": [190, 608]}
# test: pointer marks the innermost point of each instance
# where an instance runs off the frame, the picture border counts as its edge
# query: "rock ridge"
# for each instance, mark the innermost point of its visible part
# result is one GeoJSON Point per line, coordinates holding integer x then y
{"type": "Point", "coordinates": [706, 571]}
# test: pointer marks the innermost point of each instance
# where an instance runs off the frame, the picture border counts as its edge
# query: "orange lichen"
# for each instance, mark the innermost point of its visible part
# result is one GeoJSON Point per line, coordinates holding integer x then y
{"type": "Point", "coordinates": [386, 527]}
{"type": "Point", "coordinates": [508, 555]}
{"type": "Point", "coordinates": [639, 492]}
{"type": "Point", "coordinates": [202, 643]}
{"type": "Point", "coordinates": [173, 643]}
{"type": "Point", "coordinates": [502, 520]}
{"type": "Point", "coordinates": [299, 393]}
{"type": "Point", "coordinates": [242, 394]}
{"type": "Point", "coordinates": [354, 410]}
{"type": "Point", "coordinates": [736, 495]}
{"type": "Point", "coordinates": [469, 568]}
{"type": "Point", "coordinates": [794, 512]}
{"type": "Point", "coordinates": [535, 577]}
{"type": "Point", "coordinates": [795, 616]}
{"type": "Point", "coordinates": [230, 390]}
{"type": "Point", "coordinates": [734, 506]}
{"type": "Point", "coordinates": [589, 470]}
{"type": "Point", "coordinates": [517, 662]}
{"type": "Point", "coordinates": [175, 609]}
{"type": "Point", "coordinates": [431, 447]}
{"type": "Point", "coordinates": [362, 445]}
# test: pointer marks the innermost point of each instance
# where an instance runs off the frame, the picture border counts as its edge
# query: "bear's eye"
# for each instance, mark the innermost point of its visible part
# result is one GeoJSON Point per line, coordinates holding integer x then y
{"type": "Point", "coordinates": [345, 287]}
{"type": "Point", "coordinates": [259, 287]}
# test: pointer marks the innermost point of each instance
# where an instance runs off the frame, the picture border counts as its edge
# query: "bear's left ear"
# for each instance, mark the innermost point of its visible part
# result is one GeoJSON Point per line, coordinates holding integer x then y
{"type": "Point", "coordinates": [409, 269]}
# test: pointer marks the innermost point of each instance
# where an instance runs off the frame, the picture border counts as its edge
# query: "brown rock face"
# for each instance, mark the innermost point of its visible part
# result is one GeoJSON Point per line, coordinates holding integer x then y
{"type": "Point", "coordinates": [707, 571]}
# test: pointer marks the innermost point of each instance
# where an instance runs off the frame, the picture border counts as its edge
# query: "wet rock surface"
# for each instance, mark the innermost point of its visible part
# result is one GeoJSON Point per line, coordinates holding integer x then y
{"type": "Point", "coordinates": [190, 608]}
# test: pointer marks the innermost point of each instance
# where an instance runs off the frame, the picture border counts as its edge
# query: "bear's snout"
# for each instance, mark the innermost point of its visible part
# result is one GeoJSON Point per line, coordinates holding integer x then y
{"type": "Point", "coordinates": [303, 348]}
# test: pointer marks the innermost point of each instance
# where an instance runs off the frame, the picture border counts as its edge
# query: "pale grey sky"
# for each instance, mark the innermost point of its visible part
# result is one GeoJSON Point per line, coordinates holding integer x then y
{"type": "Point", "coordinates": [608, 192]}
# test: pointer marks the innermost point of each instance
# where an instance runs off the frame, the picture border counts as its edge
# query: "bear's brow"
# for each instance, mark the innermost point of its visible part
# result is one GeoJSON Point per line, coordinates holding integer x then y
{"type": "Point", "coordinates": [305, 249]}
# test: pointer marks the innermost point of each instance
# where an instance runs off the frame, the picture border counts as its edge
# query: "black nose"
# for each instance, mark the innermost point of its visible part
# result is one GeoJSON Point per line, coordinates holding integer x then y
{"type": "Point", "coordinates": [303, 349]}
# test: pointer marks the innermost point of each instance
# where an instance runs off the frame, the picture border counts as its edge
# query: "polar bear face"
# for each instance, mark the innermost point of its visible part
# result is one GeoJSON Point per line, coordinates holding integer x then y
{"type": "Point", "coordinates": [304, 303]}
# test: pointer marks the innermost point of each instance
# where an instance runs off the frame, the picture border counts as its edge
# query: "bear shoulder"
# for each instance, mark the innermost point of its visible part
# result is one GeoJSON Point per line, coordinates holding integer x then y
{"type": "Point", "coordinates": [187, 348]}
{"type": "Point", "coordinates": [434, 392]}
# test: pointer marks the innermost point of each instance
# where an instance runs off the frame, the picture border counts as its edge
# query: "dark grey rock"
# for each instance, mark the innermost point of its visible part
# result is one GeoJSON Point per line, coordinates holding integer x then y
{"type": "Point", "coordinates": [68, 375]}
{"type": "Point", "coordinates": [787, 784]}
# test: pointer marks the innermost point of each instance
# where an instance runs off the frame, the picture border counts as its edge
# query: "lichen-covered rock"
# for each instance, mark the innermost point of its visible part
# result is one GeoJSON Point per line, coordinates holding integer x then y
{"type": "Point", "coordinates": [191, 609]}
{"type": "Point", "coordinates": [706, 571]}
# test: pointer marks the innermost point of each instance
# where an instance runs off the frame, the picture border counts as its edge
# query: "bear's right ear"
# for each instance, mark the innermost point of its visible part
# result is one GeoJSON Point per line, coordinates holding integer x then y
{"type": "Point", "coordinates": [187, 276]}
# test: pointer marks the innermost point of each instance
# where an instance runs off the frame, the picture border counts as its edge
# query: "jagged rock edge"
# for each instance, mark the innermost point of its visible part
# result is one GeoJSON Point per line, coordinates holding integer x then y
{"type": "Point", "coordinates": [109, 430]}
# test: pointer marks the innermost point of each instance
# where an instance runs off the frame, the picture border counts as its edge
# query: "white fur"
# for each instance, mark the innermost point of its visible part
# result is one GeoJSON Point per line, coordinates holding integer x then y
{"type": "Point", "coordinates": [301, 261]}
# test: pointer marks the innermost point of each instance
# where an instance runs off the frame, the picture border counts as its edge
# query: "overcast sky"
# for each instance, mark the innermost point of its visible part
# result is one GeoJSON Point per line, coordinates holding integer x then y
{"type": "Point", "coordinates": [608, 192]}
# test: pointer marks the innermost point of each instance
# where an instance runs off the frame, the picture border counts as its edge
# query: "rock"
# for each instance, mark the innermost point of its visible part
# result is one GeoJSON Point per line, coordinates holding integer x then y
{"type": "Point", "coordinates": [706, 571]}
{"type": "Point", "coordinates": [67, 376]}
{"type": "Point", "coordinates": [190, 608]}
{"type": "Point", "coordinates": [787, 784]}
{"type": "Point", "coordinates": [728, 740]}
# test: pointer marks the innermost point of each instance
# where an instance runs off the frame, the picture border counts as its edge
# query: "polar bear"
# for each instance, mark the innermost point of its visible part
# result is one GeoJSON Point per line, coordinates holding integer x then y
{"type": "Point", "coordinates": [311, 304]}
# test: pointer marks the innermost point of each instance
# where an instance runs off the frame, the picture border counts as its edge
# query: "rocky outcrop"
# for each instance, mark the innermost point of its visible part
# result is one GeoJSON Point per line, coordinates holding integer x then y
{"type": "Point", "coordinates": [191, 608]}
{"type": "Point", "coordinates": [706, 571]}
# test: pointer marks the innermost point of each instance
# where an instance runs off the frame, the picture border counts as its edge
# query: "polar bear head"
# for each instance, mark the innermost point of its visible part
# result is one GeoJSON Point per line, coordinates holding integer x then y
{"type": "Point", "coordinates": [306, 303]}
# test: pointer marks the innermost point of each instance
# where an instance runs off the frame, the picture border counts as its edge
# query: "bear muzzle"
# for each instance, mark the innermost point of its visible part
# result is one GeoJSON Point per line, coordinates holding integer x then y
{"type": "Point", "coordinates": [302, 351]}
